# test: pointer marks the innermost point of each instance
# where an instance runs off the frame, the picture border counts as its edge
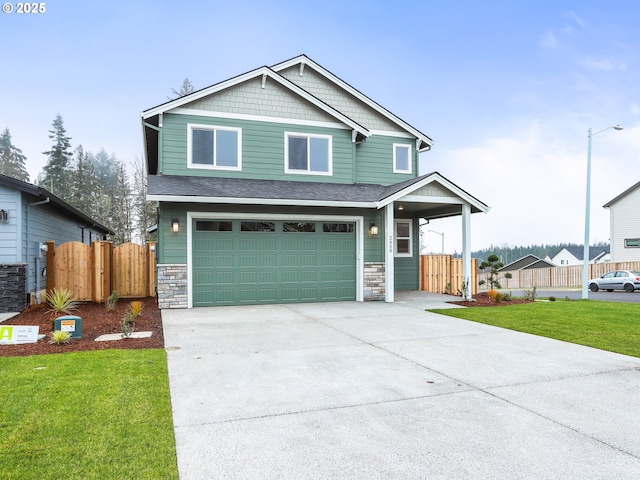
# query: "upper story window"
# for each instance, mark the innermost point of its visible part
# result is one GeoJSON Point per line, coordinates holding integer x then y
{"type": "Point", "coordinates": [308, 154]}
{"type": "Point", "coordinates": [214, 147]}
{"type": "Point", "coordinates": [401, 158]}
{"type": "Point", "coordinates": [402, 244]}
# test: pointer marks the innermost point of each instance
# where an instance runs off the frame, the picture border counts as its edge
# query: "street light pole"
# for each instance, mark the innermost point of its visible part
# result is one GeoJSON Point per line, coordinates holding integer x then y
{"type": "Point", "coordinates": [587, 215]}
{"type": "Point", "coordinates": [442, 235]}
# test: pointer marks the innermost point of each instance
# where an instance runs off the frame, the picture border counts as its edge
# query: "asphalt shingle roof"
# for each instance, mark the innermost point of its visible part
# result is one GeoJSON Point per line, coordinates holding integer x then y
{"type": "Point", "coordinates": [217, 187]}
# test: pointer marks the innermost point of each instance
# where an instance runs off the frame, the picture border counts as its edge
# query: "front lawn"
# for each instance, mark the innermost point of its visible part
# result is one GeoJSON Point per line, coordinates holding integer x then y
{"type": "Point", "coordinates": [604, 325]}
{"type": "Point", "coordinates": [86, 415]}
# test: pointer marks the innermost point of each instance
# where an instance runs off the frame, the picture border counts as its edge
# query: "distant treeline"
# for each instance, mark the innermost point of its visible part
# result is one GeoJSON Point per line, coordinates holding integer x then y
{"type": "Point", "coordinates": [510, 254]}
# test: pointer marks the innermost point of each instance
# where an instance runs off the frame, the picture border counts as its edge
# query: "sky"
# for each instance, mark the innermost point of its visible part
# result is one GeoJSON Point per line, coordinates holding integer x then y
{"type": "Point", "coordinates": [506, 89]}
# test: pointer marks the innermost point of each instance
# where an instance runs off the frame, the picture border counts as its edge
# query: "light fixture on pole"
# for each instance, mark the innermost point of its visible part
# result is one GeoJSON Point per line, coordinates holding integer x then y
{"type": "Point", "coordinates": [442, 235]}
{"type": "Point", "coordinates": [585, 259]}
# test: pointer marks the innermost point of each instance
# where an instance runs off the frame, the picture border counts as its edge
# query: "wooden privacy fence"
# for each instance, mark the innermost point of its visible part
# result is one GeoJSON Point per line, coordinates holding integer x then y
{"type": "Point", "coordinates": [91, 273]}
{"type": "Point", "coordinates": [567, 276]}
{"type": "Point", "coordinates": [443, 274]}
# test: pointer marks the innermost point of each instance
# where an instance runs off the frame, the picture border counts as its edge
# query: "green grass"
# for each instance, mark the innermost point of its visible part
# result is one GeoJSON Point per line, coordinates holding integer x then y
{"type": "Point", "coordinates": [86, 415]}
{"type": "Point", "coordinates": [605, 325]}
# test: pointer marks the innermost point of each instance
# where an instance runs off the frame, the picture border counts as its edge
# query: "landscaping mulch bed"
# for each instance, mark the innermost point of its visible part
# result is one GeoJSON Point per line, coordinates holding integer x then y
{"type": "Point", "coordinates": [484, 300]}
{"type": "Point", "coordinates": [96, 321]}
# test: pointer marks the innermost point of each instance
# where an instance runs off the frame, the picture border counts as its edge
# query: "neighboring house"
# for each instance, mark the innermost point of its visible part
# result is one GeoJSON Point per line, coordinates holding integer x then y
{"type": "Point", "coordinates": [286, 184]}
{"type": "Point", "coordinates": [624, 221]}
{"type": "Point", "coordinates": [29, 217]}
{"type": "Point", "coordinates": [525, 263]}
{"type": "Point", "coordinates": [575, 256]}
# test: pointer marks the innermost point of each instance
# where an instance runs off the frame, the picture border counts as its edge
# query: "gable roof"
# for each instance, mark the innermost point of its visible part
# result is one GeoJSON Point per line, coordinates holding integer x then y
{"type": "Point", "coordinates": [578, 252]}
{"type": "Point", "coordinates": [527, 262]}
{"type": "Point", "coordinates": [40, 192]}
{"type": "Point", "coordinates": [151, 122]}
{"type": "Point", "coordinates": [201, 189]}
{"type": "Point", "coordinates": [623, 194]}
{"type": "Point", "coordinates": [304, 61]}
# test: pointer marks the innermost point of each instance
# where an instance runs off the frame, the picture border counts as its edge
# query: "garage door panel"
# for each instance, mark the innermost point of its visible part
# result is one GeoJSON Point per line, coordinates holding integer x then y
{"type": "Point", "coordinates": [275, 266]}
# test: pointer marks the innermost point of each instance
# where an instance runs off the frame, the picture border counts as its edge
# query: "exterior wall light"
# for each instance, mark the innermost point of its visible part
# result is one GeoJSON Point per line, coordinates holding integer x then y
{"type": "Point", "coordinates": [175, 225]}
{"type": "Point", "coordinates": [4, 216]}
{"type": "Point", "coordinates": [373, 229]}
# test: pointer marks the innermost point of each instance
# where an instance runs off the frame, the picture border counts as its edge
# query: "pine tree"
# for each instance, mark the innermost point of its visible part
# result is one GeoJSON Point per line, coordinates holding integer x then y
{"type": "Point", "coordinates": [185, 89]}
{"type": "Point", "coordinates": [12, 161]}
{"type": "Point", "coordinates": [54, 176]}
{"type": "Point", "coordinates": [82, 188]}
{"type": "Point", "coordinates": [144, 212]}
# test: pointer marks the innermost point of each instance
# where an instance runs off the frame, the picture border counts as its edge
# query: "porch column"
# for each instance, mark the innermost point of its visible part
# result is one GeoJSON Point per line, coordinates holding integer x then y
{"type": "Point", "coordinates": [466, 249]}
{"type": "Point", "coordinates": [388, 254]}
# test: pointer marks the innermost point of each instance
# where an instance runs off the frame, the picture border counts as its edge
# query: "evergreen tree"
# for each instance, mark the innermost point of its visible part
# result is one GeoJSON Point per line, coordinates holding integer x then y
{"type": "Point", "coordinates": [54, 176]}
{"type": "Point", "coordinates": [185, 89]}
{"type": "Point", "coordinates": [122, 212]}
{"type": "Point", "coordinates": [144, 212]}
{"type": "Point", "coordinates": [82, 188]}
{"type": "Point", "coordinates": [12, 161]}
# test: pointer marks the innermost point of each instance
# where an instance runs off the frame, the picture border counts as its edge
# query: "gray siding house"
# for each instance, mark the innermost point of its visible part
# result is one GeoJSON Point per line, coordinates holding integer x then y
{"type": "Point", "coordinates": [29, 217]}
{"type": "Point", "coordinates": [286, 184]}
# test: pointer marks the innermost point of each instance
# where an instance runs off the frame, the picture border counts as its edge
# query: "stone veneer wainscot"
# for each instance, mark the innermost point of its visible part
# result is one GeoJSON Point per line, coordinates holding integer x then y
{"type": "Point", "coordinates": [374, 282]}
{"type": "Point", "coordinates": [172, 285]}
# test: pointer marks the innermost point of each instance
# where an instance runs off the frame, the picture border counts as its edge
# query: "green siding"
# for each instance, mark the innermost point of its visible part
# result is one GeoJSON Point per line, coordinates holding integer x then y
{"type": "Point", "coordinates": [407, 268]}
{"type": "Point", "coordinates": [262, 149]}
{"type": "Point", "coordinates": [172, 247]}
{"type": "Point", "coordinates": [375, 161]}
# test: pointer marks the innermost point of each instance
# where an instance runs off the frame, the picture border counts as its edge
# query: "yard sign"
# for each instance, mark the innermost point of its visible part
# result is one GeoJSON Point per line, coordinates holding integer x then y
{"type": "Point", "coordinates": [18, 334]}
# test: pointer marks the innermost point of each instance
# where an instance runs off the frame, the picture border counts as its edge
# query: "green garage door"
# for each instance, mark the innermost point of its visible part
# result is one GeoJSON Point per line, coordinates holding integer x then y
{"type": "Point", "coordinates": [238, 262]}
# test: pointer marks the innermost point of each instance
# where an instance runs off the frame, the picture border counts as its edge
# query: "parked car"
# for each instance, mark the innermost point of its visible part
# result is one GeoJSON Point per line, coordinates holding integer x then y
{"type": "Point", "coordinates": [627, 280]}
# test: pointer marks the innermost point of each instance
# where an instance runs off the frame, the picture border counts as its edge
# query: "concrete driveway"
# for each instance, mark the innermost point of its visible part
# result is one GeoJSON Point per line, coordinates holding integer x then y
{"type": "Point", "coordinates": [389, 391]}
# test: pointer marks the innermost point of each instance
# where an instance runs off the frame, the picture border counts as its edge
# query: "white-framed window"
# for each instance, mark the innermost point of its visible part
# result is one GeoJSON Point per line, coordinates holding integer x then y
{"type": "Point", "coordinates": [401, 158]}
{"type": "Point", "coordinates": [402, 243]}
{"type": "Point", "coordinates": [308, 154]}
{"type": "Point", "coordinates": [214, 147]}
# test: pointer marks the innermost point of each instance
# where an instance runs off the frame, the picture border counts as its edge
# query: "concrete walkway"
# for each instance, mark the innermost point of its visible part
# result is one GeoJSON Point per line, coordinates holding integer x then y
{"type": "Point", "coordinates": [389, 391]}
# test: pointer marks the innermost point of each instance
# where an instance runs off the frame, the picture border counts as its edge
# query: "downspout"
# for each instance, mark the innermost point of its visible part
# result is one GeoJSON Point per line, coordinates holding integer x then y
{"type": "Point", "coordinates": [35, 272]}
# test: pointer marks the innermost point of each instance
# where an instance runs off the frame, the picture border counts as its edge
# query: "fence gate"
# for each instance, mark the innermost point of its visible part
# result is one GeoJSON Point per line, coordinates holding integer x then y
{"type": "Point", "coordinates": [92, 273]}
{"type": "Point", "coordinates": [443, 274]}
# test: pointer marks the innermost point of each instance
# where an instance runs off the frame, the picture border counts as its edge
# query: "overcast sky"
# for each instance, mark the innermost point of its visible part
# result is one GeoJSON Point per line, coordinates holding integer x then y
{"type": "Point", "coordinates": [507, 89]}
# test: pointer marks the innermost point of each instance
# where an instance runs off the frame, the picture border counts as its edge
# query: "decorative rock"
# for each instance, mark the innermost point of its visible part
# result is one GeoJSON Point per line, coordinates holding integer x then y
{"type": "Point", "coordinates": [120, 336]}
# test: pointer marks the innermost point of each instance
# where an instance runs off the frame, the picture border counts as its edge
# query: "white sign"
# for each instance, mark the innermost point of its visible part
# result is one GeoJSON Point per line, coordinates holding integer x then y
{"type": "Point", "coordinates": [18, 334]}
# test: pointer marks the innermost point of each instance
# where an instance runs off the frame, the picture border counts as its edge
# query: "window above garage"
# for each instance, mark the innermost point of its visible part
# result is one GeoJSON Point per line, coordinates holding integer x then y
{"type": "Point", "coordinates": [308, 154]}
{"type": "Point", "coordinates": [213, 147]}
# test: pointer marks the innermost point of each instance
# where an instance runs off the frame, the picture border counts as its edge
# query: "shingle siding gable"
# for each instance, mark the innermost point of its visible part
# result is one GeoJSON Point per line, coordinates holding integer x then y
{"type": "Point", "coordinates": [330, 93]}
{"type": "Point", "coordinates": [249, 98]}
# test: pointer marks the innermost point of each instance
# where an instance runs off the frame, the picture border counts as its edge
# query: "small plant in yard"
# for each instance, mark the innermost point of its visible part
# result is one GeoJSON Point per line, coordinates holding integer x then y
{"type": "Point", "coordinates": [530, 294]}
{"type": "Point", "coordinates": [127, 324]}
{"type": "Point", "coordinates": [492, 293]}
{"type": "Point", "coordinates": [498, 297]}
{"type": "Point", "coordinates": [494, 264]}
{"type": "Point", "coordinates": [59, 337]}
{"type": "Point", "coordinates": [60, 300]}
{"type": "Point", "coordinates": [135, 308]}
{"type": "Point", "coordinates": [464, 291]}
{"type": "Point", "coordinates": [112, 300]}
{"type": "Point", "coordinates": [552, 298]}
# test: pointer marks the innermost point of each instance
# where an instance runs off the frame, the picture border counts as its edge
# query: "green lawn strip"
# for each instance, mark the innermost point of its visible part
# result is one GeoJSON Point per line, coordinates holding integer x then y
{"type": "Point", "coordinates": [605, 325]}
{"type": "Point", "coordinates": [90, 415]}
